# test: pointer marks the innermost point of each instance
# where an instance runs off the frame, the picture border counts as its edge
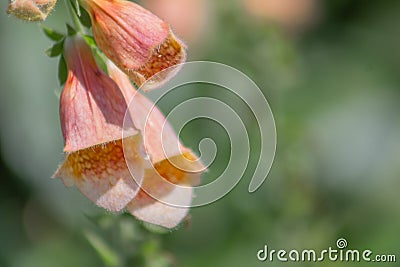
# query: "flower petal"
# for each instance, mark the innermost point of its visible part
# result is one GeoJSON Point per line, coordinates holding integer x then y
{"type": "Point", "coordinates": [126, 32]}
{"type": "Point", "coordinates": [92, 108]}
{"type": "Point", "coordinates": [160, 200]}
{"type": "Point", "coordinates": [102, 175]}
{"type": "Point", "coordinates": [162, 65]}
{"type": "Point", "coordinates": [148, 209]}
{"type": "Point", "coordinates": [159, 139]}
{"type": "Point", "coordinates": [137, 41]}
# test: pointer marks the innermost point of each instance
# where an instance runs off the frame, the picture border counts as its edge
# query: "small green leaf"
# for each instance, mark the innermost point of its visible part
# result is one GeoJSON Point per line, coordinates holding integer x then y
{"type": "Point", "coordinates": [52, 34]}
{"type": "Point", "coordinates": [85, 18]}
{"type": "Point", "coordinates": [100, 60]}
{"type": "Point", "coordinates": [62, 70]}
{"type": "Point", "coordinates": [71, 31]}
{"type": "Point", "coordinates": [56, 49]}
{"type": "Point", "coordinates": [90, 41]}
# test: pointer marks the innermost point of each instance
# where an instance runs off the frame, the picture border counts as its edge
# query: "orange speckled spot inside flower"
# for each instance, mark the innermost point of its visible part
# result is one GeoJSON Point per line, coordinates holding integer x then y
{"type": "Point", "coordinates": [170, 53]}
{"type": "Point", "coordinates": [190, 156]}
{"type": "Point", "coordinates": [102, 175]}
{"type": "Point", "coordinates": [169, 171]}
{"type": "Point", "coordinates": [180, 169]}
{"type": "Point", "coordinates": [162, 203]}
{"type": "Point", "coordinates": [98, 161]}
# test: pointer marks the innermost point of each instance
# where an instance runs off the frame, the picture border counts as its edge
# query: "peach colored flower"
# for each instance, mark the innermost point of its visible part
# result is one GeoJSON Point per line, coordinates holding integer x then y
{"type": "Point", "coordinates": [101, 162]}
{"type": "Point", "coordinates": [170, 161]}
{"type": "Point", "coordinates": [31, 10]}
{"type": "Point", "coordinates": [137, 41]}
{"type": "Point", "coordinates": [92, 110]}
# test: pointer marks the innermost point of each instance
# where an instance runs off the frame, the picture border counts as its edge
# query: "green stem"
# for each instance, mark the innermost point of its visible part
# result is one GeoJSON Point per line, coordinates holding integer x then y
{"type": "Point", "coordinates": [74, 17]}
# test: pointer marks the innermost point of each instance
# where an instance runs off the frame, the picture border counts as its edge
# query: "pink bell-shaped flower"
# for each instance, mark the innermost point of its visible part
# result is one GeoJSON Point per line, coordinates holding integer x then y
{"type": "Point", "coordinates": [92, 110]}
{"type": "Point", "coordinates": [173, 169]}
{"type": "Point", "coordinates": [136, 40]}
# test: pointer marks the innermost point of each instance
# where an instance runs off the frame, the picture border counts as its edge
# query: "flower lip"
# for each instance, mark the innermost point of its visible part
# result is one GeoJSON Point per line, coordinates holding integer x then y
{"type": "Point", "coordinates": [102, 175]}
{"type": "Point", "coordinates": [164, 63]}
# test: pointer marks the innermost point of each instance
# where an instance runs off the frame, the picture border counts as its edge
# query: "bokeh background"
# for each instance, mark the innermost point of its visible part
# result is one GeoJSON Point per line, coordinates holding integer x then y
{"type": "Point", "coordinates": [331, 73]}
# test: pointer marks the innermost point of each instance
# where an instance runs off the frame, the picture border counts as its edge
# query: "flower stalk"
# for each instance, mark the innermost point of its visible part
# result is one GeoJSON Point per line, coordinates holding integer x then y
{"type": "Point", "coordinates": [74, 16]}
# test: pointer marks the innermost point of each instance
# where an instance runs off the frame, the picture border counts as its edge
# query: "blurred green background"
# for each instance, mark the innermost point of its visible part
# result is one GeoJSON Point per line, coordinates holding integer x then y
{"type": "Point", "coordinates": [331, 73]}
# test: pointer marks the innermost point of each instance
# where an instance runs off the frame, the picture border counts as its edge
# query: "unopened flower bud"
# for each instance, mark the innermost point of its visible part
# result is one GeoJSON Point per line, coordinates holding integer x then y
{"type": "Point", "coordinates": [31, 10]}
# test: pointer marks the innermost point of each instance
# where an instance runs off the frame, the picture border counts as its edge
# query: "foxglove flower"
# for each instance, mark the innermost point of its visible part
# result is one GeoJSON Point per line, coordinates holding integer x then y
{"type": "Point", "coordinates": [136, 40]}
{"type": "Point", "coordinates": [31, 10]}
{"type": "Point", "coordinates": [173, 168]}
{"type": "Point", "coordinates": [101, 160]}
{"type": "Point", "coordinates": [92, 110]}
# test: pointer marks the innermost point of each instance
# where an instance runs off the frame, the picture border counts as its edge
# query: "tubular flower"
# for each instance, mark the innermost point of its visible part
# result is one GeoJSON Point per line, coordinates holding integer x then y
{"type": "Point", "coordinates": [172, 164]}
{"type": "Point", "coordinates": [92, 110]}
{"type": "Point", "coordinates": [31, 10]}
{"type": "Point", "coordinates": [136, 40]}
{"type": "Point", "coordinates": [101, 160]}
